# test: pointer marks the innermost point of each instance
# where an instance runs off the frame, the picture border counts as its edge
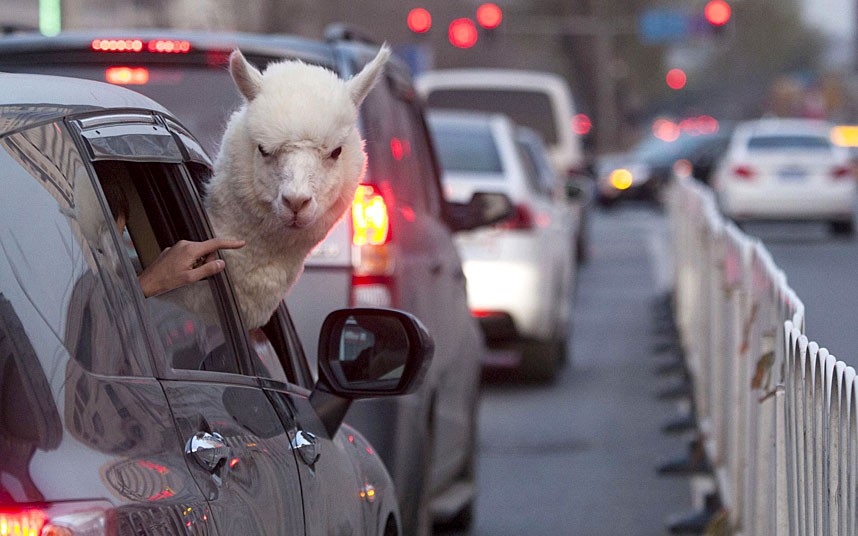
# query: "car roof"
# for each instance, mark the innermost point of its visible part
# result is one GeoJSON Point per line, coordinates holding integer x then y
{"type": "Point", "coordinates": [486, 77]}
{"type": "Point", "coordinates": [466, 116]}
{"type": "Point", "coordinates": [255, 43]}
{"type": "Point", "coordinates": [31, 98]}
{"type": "Point", "coordinates": [775, 126]}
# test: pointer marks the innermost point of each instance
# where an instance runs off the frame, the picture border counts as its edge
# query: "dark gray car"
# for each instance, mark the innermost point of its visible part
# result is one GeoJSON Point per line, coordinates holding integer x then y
{"type": "Point", "coordinates": [121, 414]}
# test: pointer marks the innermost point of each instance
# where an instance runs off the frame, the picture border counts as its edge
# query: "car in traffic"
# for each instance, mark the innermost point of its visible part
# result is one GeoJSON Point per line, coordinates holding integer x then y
{"type": "Point", "coordinates": [539, 100]}
{"type": "Point", "coordinates": [520, 272]}
{"type": "Point", "coordinates": [394, 249]}
{"type": "Point", "coordinates": [122, 414]}
{"type": "Point", "coordinates": [643, 171]}
{"type": "Point", "coordinates": [786, 169]}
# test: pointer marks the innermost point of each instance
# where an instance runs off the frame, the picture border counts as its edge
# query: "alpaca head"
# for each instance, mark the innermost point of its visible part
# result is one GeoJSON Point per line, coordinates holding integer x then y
{"type": "Point", "coordinates": [300, 137]}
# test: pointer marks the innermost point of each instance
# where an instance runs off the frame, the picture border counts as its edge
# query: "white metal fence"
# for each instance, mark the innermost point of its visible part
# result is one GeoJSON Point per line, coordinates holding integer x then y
{"type": "Point", "coordinates": [777, 413]}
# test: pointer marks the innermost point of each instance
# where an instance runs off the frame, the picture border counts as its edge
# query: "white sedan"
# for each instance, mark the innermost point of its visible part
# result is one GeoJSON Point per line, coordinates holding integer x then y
{"type": "Point", "coordinates": [785, 170]}
{"type": "Point", "coordinates": [520, 272]}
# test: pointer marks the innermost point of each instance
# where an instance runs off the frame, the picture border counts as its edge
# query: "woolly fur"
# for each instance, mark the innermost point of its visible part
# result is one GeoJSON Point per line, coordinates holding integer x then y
{"type": "Point", "coordinates": [288, 166]}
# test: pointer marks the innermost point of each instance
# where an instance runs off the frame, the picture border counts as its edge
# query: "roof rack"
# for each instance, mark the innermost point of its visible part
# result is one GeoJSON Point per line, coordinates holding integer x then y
{"type": "Point", "coordinates": [345, 32]}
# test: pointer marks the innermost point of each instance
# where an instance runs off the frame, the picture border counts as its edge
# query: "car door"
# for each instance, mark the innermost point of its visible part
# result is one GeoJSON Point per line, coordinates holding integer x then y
{"type": "Point", "coordinates": [336, 490]}
{"type": "Point", "coordinates": [83, 416]}
{"type": "Point", "coordinates": [232, 439]}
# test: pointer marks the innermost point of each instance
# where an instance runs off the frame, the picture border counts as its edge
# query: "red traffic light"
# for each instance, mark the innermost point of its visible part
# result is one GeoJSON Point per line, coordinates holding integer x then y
{"type": "Point", "coordinates": [581, 124]}
{"type": "Point", "coordinates": [717, 12]}
{"type": "Point", "coordinates": [462, 33]}
{"type": "Point", "coordinates": [676, 79]}
{"type": "Point", "coordinates": [489, 16]}
{"type": "Point", "coordinates": [419, 20]}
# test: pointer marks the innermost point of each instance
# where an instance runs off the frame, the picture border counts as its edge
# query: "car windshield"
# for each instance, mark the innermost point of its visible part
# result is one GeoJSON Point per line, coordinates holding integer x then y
{"type": "Point", "coordinates": [789, 142]}
{"type": "Point", "coordinates": [201, 96]}
{"type": "Point", "coordinates": [529, 108]}
{"type": "Point", "coordinates": [466, 147]}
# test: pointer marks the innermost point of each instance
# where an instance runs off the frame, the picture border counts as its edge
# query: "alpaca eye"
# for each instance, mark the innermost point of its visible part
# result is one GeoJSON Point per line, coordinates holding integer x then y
{"type": "Point", "coordinates": [262, 151]}
{"type": "Point", "coordinates": [336, 153]}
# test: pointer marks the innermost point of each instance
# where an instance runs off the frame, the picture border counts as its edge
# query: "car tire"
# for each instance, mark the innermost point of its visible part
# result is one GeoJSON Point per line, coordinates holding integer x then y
{"type": "Point", "coordinates": [842, 227]}
{"type": "Point", "coordinates": [541, 360]}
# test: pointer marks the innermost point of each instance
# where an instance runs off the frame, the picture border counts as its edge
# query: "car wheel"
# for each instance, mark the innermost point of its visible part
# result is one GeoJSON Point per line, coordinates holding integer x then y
{"type": "Point", "coordinates": [541, 359]}
{"type": "Point", "coordinates": [843, 227]}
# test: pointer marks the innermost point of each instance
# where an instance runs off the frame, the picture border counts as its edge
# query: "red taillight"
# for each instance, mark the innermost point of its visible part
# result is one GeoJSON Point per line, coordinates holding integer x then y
{"type": "Point", "coordinates": [522, 218]}
{"type": "Point", "coordinates": [166, 46]}
{"type": "Point", "coordinates": [841, 172]}
{"type": "Point", "coordinates": [743, 172]}
{"type": "Point", "coordinates": [370, 218]}
{"type": "Point", "coordinates": [25, 522]}
{"type": "Point", "coordinates": [127, 75]}
{"type": "Point", "coordinates": [117, 45]}
{"type": "Point", "coordinates": [65, 518]}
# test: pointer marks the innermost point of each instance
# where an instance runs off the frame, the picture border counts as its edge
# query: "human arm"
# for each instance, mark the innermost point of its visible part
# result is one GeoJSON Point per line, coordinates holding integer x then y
{"type": "Point", "coordinates": [184, 263]}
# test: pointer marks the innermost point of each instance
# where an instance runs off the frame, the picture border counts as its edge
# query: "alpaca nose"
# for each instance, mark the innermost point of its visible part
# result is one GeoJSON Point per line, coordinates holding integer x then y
{"type": "Point", "coordinates": [296, 203]}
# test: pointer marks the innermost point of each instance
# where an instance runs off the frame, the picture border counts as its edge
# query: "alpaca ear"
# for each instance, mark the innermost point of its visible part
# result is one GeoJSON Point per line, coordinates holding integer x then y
{"type": "Point", "coordinates": [360, 84]}
{"type": "Point", "coordinates": [246, 76]}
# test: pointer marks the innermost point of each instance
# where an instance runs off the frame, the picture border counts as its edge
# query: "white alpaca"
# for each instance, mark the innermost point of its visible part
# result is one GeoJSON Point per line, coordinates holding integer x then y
{"type": "Point", "coordinates": [288, 166]}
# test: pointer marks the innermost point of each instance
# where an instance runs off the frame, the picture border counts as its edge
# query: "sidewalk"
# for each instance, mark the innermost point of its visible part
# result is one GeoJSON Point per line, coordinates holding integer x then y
{"type": "Point", "coordinates": [580, 456]}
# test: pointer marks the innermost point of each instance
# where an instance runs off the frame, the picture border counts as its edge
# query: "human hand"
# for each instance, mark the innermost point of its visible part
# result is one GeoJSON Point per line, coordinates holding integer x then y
{"type": "Point", "coordinates": [184, 263]}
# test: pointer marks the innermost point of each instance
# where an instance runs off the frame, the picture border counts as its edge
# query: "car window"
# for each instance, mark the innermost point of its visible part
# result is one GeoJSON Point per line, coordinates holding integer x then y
{"type": "Point", "coordinates": [60, 267]}
{"type": "Point", "coordinates": [535, 152]}
{"type": "Point", "coordinates": [188, 321]}
{"type": "Point", "coordinates": [782, 142]}
{"type": "Point", "coordinates": [531, 172]}
{"type": "Point", "coordinates": [390, 149]}
{"type": "Point", "coordinates": [467, 147]}
{"type": "Point", "coordinates": [529, 108]}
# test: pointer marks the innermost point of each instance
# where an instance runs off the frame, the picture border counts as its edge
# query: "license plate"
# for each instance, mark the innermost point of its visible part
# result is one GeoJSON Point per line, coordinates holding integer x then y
{"type": "Point", "coordinates": [792, 174]}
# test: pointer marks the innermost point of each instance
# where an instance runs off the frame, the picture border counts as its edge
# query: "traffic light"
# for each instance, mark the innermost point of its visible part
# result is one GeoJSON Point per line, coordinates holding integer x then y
{"type": "Point", "coordinates": [419, 20]}
{"type": "Point", "coordinates": [489, 16]}
{"type": "Point", "coordinates": [462, 33]}
{"type": "Point", "coordinates": [717, 12]}
{"type": "Point", "coordinates": [676, 79]}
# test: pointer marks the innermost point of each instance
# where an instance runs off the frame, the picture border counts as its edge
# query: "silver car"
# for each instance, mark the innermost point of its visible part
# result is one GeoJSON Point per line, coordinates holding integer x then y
{"type": "Point", "coordinates": [521, 271]}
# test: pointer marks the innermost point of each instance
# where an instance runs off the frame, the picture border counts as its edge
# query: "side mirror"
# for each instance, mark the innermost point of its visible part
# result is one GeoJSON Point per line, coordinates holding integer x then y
{"type": "Point", "coordinates": [484, 208]}
{"type": "Point", "coordinates": [366, 353]}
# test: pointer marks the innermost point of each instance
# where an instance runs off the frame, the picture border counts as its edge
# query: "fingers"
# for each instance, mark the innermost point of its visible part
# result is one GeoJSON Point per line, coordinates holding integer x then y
{"type": "Point", "coordinates": [206, 270]}
{"type": "Point", "coordinates": [203, 249]}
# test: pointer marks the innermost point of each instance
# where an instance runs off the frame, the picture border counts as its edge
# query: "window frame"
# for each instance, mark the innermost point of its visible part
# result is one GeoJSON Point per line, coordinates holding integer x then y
{"type": "Point", "coordinates": [193, 216]}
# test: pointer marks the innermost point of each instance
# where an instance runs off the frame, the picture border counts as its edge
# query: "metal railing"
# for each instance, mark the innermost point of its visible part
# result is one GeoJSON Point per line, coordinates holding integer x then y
{"type": "Point", "coordinates": [777, 413]}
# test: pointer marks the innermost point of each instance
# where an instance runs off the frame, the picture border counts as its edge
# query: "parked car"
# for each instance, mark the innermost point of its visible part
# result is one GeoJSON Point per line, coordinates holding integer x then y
{"type": "Point", "coordinates": [786, 169]}
{"type": "Point", "coordinates": [426, 439]}
{"type": "Point", "coordinates": [122, 414]}
{"type": "Point", "coordinates": [539, 100]}
{"type": "Point", "coordinates": [520, 272]}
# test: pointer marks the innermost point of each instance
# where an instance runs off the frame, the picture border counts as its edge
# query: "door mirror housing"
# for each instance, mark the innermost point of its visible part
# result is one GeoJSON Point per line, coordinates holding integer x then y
{"type": "Point", "coordinates": [366, 353]}
{"type": "Point", "coordinates": [484, 208]}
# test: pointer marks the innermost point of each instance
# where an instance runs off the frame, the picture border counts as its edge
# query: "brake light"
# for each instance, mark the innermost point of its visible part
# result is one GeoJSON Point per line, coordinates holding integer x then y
{"type": "Point", "coordinates": [84, 518]}
{"type": "Point", "coordinates": [370, 218]}
{"type": "Point", "coordinates": [127, 75]}
{"type": "Point", "coordinates": [841, 172]}
{"type": "Point", "coordinates": [743, 172]}
{"type": "Point", "coordinates": [117, 45]}
{"type": "Point", "coordinates": [25, 523]}
{"type": "Point", "coordinates": [161, 46]}
{"type": "Point", "coordinates": [522, 218]}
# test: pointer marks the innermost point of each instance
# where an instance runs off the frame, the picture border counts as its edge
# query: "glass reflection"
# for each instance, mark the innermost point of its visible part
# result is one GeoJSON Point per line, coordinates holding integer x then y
{"type": "Point", "coordinates": [372, 348]}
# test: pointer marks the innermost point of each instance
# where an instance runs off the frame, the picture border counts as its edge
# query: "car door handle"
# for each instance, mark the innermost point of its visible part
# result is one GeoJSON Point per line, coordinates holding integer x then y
{"type": "Point", "coordinates": [209, 449]}
{"type": "Point", "coordinates": [307, 445]}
